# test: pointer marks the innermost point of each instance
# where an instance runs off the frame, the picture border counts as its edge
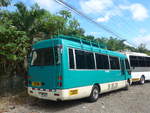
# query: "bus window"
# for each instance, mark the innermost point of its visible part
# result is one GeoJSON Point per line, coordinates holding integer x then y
{"type": "Point", "coordinates": [89, 59]}
{"type": "Point", "coordinates": [79, 59]}
{"type": "Point", "coordinates": [71, 59]}
{"type": "Point", "coordinates": [141, 61]}
{"type": "Point", "coordinates": [147, 61]}
{"type": "Point", "coordinates": [84, 60]}
{"type": "Point", "coordinates": [102, 61]}
{"type": "Point", "coordinates": [42, 57]}
{"type": "Point", "coordinates": [127, 64]}
{"type": "Point", "coordinates": [134, 61]}
{"type": "Point", "coordinates": [122, 66]}
{"type": "Point", "coordinates": [114, 62]}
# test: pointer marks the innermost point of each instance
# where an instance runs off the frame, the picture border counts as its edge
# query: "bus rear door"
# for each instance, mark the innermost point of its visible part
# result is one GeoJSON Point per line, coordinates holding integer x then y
{"type": "Point", "coordinates": [45, 68]}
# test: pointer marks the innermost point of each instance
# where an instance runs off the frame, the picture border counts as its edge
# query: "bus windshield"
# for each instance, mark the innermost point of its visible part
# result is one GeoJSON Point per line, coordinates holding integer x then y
{"type": "Point", "coordinates": [45, 56]}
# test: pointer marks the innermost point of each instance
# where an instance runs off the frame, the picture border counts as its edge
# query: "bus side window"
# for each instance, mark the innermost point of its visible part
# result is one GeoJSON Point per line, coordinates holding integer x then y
{"type": "Point", "coordinates": [89, 60]}
{"type": "Point", "coordinates": [84, 60]}
{"type": "Point", "coordinates": [122, 64]}
{"type": "Point", "coordinates": [134, 61]}
{"type": "Point", "coordinates": [80, 60]}
{"type": "Point", "coordinates": [141, 61]}
{"type": "Point", "coordinates": [71, 59]}
{"type": "Point", "coordinates": [102, 61]}
{"type": "Point", "coordinates": [114, 62]}
{"type": "Point", "coordinates": [127, 64]}
{"type": "Point", "coordinates": [147, 60]}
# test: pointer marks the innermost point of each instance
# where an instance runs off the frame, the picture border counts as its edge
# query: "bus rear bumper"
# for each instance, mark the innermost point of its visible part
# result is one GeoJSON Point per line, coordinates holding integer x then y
{"type": "Point", "coordinates": [39, 93]}
{"type": "Point", "coordinates": [60, 94]}
{"type": "Point", "coordinates": [135, 79]}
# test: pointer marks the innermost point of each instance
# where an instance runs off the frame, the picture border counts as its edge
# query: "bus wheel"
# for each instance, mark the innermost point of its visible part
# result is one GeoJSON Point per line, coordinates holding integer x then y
{"type": "Point", "coordinates": [142, 80]}
{"type": "Point", "coordinates": [94, 94]}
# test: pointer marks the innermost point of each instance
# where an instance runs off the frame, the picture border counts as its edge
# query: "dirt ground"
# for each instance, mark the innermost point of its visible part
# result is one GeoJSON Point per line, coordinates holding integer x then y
{"type": "Point", "coordinates": [135, 100]}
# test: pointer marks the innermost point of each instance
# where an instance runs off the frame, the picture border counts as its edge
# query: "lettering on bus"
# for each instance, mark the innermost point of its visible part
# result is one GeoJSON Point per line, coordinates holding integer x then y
{"type": "Point", "coordinates": [112, 86]}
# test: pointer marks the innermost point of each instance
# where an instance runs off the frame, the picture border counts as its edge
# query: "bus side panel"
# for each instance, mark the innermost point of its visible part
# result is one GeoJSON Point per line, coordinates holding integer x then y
{"type": "Point", "coordinates": [78, 78]}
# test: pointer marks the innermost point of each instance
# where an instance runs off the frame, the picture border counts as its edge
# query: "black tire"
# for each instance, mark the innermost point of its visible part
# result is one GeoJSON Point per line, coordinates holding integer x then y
{"type": "Point", "coordinates": [94, 94]}
{"type": "Point", "coordinates": [142, 80]}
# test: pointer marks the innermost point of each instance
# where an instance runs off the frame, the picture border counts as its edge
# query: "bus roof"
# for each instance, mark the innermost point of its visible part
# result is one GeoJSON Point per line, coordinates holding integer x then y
{"type": "Point", "coordinates": [44, 43]}
{"type": "Point", "coordinates": [81, 40]}
{"type": "Point", "coordinates": [134, 53]}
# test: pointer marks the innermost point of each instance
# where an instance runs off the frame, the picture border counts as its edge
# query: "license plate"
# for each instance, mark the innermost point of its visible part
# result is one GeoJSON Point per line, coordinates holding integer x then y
{"type": "Point", "coordinates": [73, 92]}
{"type": "Point", "coordinates": [36, 84]}
{"type": "Point", "coordinates": [42, 94]}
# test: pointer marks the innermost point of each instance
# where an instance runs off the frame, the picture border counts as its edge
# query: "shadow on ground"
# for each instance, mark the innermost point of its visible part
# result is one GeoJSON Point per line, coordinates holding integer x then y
{"type": "Point", "coordinates": [47, 105]}
{"type": "Point", "coordinates": [52, 106]}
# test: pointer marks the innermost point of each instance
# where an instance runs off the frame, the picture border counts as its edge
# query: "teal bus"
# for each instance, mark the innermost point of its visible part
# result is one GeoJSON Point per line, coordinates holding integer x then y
{"type": "Point", "coordinates": [67, 68]}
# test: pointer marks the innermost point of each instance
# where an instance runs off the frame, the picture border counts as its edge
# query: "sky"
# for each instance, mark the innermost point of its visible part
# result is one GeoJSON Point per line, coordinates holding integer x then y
{"type": "Point", "coordinates": [130, 19]}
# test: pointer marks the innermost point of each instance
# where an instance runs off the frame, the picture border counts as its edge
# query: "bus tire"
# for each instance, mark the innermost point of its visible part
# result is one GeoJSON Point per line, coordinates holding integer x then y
{"type": "Point", "coordinates": [94, 94]}
{"type": "Point", "coordinates": [142, 80]}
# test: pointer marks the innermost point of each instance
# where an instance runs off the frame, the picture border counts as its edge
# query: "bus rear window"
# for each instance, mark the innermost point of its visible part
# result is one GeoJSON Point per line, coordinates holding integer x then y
{"type": "Point", "coordinates": [44, 56]}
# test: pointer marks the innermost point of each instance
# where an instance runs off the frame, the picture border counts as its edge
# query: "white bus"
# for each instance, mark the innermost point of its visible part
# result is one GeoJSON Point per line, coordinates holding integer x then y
{"type": "Point", "coordinates": [140, 66]}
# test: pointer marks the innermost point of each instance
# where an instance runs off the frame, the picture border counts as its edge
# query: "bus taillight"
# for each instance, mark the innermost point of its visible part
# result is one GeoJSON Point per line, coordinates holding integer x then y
{"type": "Point", "coordinates": [59, 77]}
{"type": "Point", "coordinates": [59, 84]}
{"type": "Point", "coordinates": [27, 77]}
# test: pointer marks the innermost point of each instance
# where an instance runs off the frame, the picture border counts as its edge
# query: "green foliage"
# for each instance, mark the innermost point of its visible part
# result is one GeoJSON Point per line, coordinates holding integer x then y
{"type": "Point", "coordinates": [65, 14]}
{"type": "Point", "coordinates": [27, 19]}
{"type": "Point", "coordinates": [89, 37]}
{"type": "Point", "coordinates": [14, 46]}
{"type": "Point", "coordinates": [74, 28]}
{"type": "Point", "coordinates": [112, 43]}
{"type": "Point", "coordinates": [21, 28]}
{"type": "Point", "coordinates": [142, 49]}
{"type": "Point", "coordinates": [53, 25]}
{"type": "Point", "coordinates": [119, 45]}
{"type": "Point", "coordinates": [4, 3]}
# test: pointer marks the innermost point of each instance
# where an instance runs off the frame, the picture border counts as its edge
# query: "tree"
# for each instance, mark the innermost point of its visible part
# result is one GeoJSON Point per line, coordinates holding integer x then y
{"type": "Point", "coordinates": [89, 37]}
{"type": "Point", "coordinates": [25, 19]}
{"type": "Point", "coordinates": [19, 29]}
{"type": "Point", "coordinates": [14, 46]}
{"type": "Point", "coordinates": [142, 48]}
{"type": "Point", "coordinates": [71, 25]}
{"type": "Point", "coordinates": [74, 28]}
{"type": "Point", "coordinates": [4, 3]}
{"type": "Point", "coordinates": [53, 25]}
{"type": "Point", "coordinates": [65, 14]}
{"type": "Point", "coordinates": [112, 43]}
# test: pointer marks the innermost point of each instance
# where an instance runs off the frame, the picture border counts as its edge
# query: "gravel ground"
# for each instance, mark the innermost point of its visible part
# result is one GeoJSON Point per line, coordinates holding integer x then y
{"type": "Point", "coordinates": [135, 100]}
